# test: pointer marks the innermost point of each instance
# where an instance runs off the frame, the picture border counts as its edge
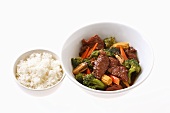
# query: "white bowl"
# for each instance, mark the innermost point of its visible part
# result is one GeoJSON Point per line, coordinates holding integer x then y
{"type": "Point", "coordinates": [122, 33]}
{"type": "Point", "coordinates": [24, 56]}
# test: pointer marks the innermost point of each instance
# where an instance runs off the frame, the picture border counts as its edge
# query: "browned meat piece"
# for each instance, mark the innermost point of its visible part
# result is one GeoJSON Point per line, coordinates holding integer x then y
{"type": "Point", "coordinates": [101, 65]}
{"type": "Point", "coordinates": [131, 53]}
{"type": "Point", "coordinates": [119, 71]}
{"type": "Point", "coordinates": [90, 43]}
{"type": "Point", "coordinates": [114, 87]}
{"type": "Point", "coordinates": [113, 62]}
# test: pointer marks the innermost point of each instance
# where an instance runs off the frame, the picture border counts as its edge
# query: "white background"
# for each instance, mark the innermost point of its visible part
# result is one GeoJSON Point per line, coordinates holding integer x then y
{"type": "Point", "coordinates": [40, 24]}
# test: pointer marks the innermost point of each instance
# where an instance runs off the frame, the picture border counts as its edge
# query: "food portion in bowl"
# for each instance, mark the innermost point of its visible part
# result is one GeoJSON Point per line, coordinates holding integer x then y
{"type": "Point", "coordinates": [105, 64]}
{"type": "Point", "coordinates": [38, 70]}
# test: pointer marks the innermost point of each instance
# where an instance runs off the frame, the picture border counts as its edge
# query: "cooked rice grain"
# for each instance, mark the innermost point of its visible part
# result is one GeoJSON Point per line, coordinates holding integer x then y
{"type": "Point", "coordinates": [39, 71]}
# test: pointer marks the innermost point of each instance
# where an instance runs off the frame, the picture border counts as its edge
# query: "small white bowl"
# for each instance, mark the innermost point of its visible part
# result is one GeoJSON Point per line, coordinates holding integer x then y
{"type": "Point", "coordinates": [24, 56]}
{"type": "Point", "coordinates": [122, 33]}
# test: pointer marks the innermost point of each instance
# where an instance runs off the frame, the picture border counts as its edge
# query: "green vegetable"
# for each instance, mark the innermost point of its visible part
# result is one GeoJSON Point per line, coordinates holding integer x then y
{"type": "Point", "coordinates": [76, 61]}
{"type": "Point", "coordinates": [79, 77]}
{"type": "Point", "coordinates": [87, 60]}
{"type": "Point", "coordinates": [95, 54]}
{"type": "Point", "coordinates": [133, 67]}
{"type": "Point", "coordinates": [90, 81]}
{"type": "Point", "coordinates": [109, 42]}
{"type": "Point", "coordinates": [112, 51]}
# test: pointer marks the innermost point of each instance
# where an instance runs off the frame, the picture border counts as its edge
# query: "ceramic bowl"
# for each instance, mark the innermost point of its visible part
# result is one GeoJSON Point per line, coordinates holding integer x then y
{"type": "Point", "coordinates": [122, 33]}
{"type": "Point", "coordinates": [45, 67]}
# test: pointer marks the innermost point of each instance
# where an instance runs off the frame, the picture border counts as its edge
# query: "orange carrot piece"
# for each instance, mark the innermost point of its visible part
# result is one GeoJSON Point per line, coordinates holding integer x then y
{"type": "Point", "coordinates": [85, 53]}
{"type": "Point", "coordinates": [115, 79]}
{"type": "Point", "coordinates": [123, 54]}
{"type": "Point", "coordinates": [88, 71]}
{"type": "Point", "coordinates": [92, 49]}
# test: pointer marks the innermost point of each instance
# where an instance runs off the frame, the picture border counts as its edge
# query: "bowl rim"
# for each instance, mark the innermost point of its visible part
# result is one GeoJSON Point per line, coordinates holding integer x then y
{"type": "Point", "coordinates": [25, 55]}
{"type": "Point", "coordinates": [116, 91]}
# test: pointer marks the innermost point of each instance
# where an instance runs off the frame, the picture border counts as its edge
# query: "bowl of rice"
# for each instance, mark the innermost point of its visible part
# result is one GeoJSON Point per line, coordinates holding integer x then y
{"type": "Point", "coordinates": [38, 69]}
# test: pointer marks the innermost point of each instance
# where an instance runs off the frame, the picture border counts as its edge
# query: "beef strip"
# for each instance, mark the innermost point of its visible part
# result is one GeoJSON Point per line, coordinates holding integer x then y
{"type": "Point", "coordinates": [91, 42]}
{"type": "Point", "coordinates": [101, 65]}
{"type": "Point", "coordinates": [131, 53]}
{"type": "Point", "coordinates": [119, 71]}
{"type": "Point", "coordinates": [114, 87]}
{"type": "Point", "coordinates": [113, 62]}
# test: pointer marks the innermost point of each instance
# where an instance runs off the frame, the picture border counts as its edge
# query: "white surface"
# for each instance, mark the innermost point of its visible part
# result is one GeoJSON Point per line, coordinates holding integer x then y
{"type": "Point", "coordinates": [26, 25]}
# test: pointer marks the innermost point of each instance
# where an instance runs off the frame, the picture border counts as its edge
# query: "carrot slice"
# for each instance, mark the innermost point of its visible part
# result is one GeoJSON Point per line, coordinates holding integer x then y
{"type": "Point", "coordinates": [85, 53]}
{"type": "Point", "coordinates": [88, 71]}
{"type": "Point", "coordinates": [123, 54]}
{"type": "Point", "coordinates": [92, 49]}
{"type": "Point", "coordinates": [115, 79]}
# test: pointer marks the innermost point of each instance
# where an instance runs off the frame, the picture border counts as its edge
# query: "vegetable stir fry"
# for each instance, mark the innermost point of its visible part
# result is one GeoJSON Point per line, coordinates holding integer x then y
{"type": "Point", "coordinates": [106, 64]}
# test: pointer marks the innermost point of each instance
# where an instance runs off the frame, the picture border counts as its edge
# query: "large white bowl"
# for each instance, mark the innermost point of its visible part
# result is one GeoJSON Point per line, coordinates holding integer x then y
{"type": "Point", "coordinates": [122, 33]}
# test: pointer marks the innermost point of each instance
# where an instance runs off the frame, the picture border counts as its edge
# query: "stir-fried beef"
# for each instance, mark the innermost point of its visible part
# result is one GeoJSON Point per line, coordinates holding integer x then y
{"type": "Point", "coordinates": [114, 87]}
{"type": "Point", "coordinates": [101, 65]}
{"type": "Point", "coordinates": [103, 62]}
{"type": "Point", "coordinates": [113, 62]}
{"type": "Point", "coordinates": [91, 42]}
{"type": "Point", "coordinates": [119, 71]}
{"type": "Point", "coordinates": [131, 53]}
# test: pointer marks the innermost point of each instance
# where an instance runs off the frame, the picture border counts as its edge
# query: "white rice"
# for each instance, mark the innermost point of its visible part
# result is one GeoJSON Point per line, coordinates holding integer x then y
{"type": "Point", "coordinates": [39, 71]}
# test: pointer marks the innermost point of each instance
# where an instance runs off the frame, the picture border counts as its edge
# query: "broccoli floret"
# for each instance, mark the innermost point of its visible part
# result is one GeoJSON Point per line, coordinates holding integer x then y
{"type": "Point", "coordinates": [133, 67]}
{"type": "Point", "coordinates": [109, 42]}
{"type": "Point", "coordinates": [79, 77]}
{"type": "Point", "coordinates": [112, 51]}
{"type": "Point", "coordinates": [90, 81]}
{"type": "Point", "coordinates": [87, 60]}
{"type": "Point", "coordinates": [76, 61]}
{"type": "Point", "coordinates": [95, 54]}
{"type": "Point", "coordinates": [87, 79]}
